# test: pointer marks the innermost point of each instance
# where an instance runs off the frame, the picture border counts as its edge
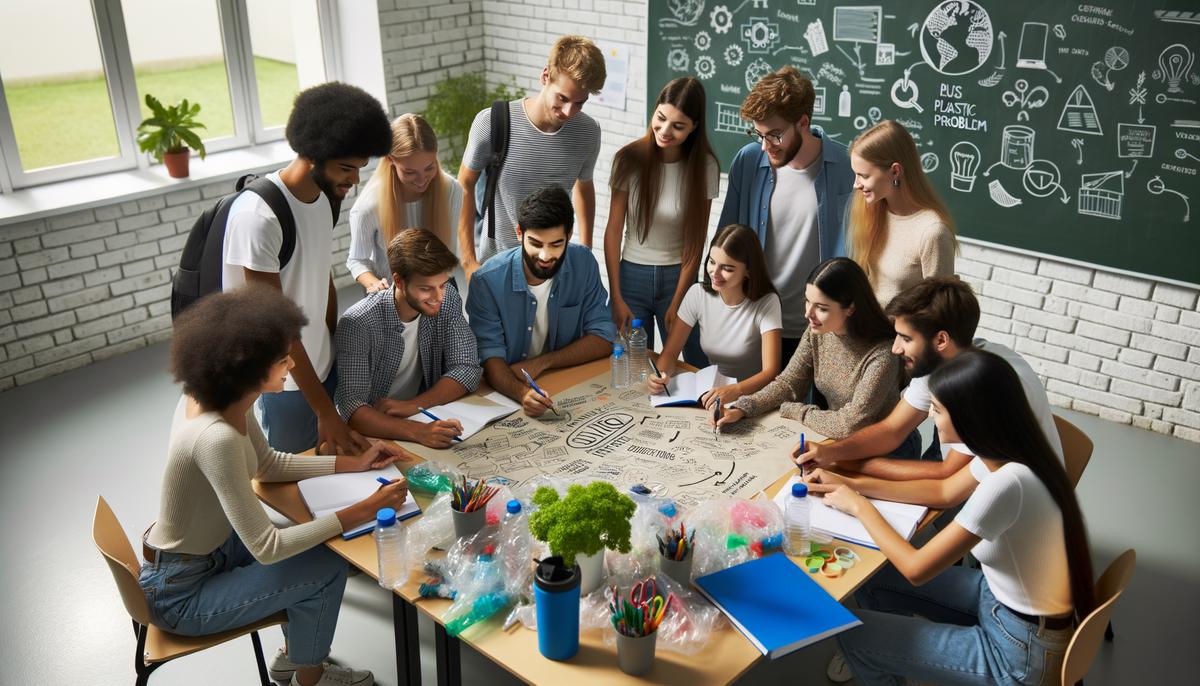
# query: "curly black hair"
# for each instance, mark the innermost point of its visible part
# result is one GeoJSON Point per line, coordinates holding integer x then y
{"type": "Point", "coordinates": [335, 120]}
{"type": "Point", "coordinates": [225, 343]}
{"type": "Point", "coordinates": [546, 208]}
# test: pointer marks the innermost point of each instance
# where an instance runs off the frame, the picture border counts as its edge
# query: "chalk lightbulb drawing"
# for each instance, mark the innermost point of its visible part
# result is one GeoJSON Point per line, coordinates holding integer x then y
{"type": "Point", "coordinates": [964, 166]}
{"type": "Point", "coordinates": [1174, 65]}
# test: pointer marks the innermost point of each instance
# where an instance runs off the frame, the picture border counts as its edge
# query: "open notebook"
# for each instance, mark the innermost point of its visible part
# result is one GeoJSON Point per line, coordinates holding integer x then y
{"type": "Point", "coordinates": [687, 387]}
{"type": "Point", "coordinates": [903, 517]}
{"type": "Point", "coordinates": [473, 411]}
{"type": "Point", "coordinates": [327, 494]}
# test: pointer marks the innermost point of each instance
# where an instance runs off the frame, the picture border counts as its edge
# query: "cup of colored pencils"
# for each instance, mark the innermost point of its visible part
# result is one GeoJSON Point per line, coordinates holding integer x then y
{"type": "Point", "coordinates": [675, 554]}
{"type": "Point", "coordinates": [468, 506]}
{"type": "Point", "coordinates": [636, 622]}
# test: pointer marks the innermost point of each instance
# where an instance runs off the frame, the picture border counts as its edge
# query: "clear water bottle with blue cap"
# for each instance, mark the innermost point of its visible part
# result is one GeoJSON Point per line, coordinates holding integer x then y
{"type": "Point", "coordinates": [638, 366]}
{"type": "Point", "coordinates": [620, 366]}
{"type": "Point", "coordinates": [389, 545]}
{"type": "Point", "coordinates": [795, 522]}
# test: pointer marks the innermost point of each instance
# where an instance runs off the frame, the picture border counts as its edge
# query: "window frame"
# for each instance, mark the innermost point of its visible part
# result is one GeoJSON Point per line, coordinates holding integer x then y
{"type": "Point", "coordinates": [121, 86]}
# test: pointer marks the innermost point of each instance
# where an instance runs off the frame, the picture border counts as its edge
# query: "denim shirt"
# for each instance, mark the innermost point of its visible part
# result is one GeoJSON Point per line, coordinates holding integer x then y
{"type": "Point", "coordinates": [752, 181]}
{"type": "Point", "coordinates": [501, 308]}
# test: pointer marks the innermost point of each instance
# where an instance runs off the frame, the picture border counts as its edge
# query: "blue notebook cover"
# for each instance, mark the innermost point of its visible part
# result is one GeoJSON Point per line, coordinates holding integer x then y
{"type": "Point", "coordinates": [775, 604]}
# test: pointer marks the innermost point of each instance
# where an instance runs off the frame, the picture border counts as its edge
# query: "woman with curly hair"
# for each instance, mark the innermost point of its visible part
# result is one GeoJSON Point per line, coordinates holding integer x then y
{"type": "Point", "coordinates": [214, 561]}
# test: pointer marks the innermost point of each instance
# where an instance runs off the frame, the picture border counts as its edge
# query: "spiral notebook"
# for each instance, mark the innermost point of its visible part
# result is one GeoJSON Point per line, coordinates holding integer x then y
{"type": "Point", "coordinates": [327, 494]}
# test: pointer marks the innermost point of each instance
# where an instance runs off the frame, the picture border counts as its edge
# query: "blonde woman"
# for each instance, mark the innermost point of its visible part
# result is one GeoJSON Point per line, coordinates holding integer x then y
{"type": "Point", "coordinates": [407, 190]}
{"type": "Point", "coordinates": [900, 230]}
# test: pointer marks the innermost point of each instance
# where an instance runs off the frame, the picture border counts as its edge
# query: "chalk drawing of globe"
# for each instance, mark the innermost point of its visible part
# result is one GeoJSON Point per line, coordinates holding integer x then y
{"type": "Point", "coordinates": [956, 38]}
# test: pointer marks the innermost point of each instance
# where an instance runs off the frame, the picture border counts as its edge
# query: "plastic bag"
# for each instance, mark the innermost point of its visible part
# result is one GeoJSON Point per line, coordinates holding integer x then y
{"type": "Point", "coordinates": [476, 577]}
{"type": "Point", "coordinates": [687, 624]}
{"type": "Point", "coordinates": [432, 477]}
{"type": "Point", "coordinates": [433, 529]}
{"type": "Point", "coordinates": [731, 531]}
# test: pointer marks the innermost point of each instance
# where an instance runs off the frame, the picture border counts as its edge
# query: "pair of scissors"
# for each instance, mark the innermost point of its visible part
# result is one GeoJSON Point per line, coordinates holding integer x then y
{"type": "Point", "coordinates": [643, 592]}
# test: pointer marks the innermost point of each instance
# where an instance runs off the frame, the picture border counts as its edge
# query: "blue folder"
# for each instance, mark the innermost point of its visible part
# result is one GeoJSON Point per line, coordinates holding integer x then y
{"type": "Point", "coordinates": [775, 604]}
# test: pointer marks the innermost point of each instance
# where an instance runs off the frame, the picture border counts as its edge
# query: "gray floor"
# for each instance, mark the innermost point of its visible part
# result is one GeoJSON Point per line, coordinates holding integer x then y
{"type": "Point", "coordinates": [101, 430]}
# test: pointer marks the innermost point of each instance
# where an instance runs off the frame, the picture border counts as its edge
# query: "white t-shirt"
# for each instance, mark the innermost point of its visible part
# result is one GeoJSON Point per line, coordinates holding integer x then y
{"type": "Point", "coordinates": [917, 395]}
{"type": "Point", "coordinates": [541, 316]}
{"type": "Point", "coordinates": [731, 336]}
{"type": "Point", "coordinates": [367, 251]}
{"type": "Point", "coordinates": [408, 374]}
{"type": "Point", "coordinates": [793, 247]}
{"type": "Point", "coordinates": [664, 240]}
{"type": "Point", "coordinates": [252, 240]}
{"type": "Point", "coordinates": [1023, 553]}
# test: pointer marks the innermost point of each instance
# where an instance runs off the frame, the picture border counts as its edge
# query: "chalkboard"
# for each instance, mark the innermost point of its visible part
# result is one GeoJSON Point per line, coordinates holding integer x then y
{"type": "Point", "coordinates": [1064, 128]}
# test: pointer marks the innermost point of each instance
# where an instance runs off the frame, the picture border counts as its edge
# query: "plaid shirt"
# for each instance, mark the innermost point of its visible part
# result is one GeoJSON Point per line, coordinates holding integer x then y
{"type": "Point", "coordinates": [370, 347]}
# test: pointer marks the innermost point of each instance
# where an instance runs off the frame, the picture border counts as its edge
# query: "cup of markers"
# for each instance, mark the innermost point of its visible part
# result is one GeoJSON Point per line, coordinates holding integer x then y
{"type": "Point", "coordinates": [675, 554]}
{"type": "Point", "coordinates": [468, 506]}
{"type": "Point", "coordinates": [636, 619]}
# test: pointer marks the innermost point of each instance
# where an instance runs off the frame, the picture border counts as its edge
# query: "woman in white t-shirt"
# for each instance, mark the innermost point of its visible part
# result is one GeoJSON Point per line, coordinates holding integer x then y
{"type": "Point", "coordinates": [407, 190]}
{"type": "Point", "coordinates": [899, 229]}
{"type": "Point", "coordinates": [1009, 621]}
{"type": "Point", "coordinates": [663, 185]}
{"type": "Point", "coordinates": [738, 312]}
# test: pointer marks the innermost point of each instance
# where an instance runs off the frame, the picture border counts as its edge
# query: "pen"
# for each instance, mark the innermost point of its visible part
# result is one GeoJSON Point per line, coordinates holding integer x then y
{"type": "Point", "coordinates": [804, 468]}
{"type": "Point", "coordinates": [539, 391]}
{"type": "Point", "coordinates": [435, 418]}
{"type": "Point", "coordinates": [384, 480]}
{"type": "Point", "coordinates": [716, 416]}
{"type": "Point", "coordinates": [653, 366]}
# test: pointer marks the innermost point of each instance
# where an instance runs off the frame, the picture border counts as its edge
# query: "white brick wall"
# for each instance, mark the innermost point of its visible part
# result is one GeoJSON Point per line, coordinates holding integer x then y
{"type": "Point", "coordinates": [83, 286]}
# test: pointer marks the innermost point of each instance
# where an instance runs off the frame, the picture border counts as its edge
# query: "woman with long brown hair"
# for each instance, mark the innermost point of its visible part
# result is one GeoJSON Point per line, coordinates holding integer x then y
{"type": "Point", "coordinates": [407, 190]}
{"type": "Point", "coordinates": [663, 185]}
{"type": "Point", "coordinates": [1010, 620]}
{"type": "Point", "coordinates": [899, 229]}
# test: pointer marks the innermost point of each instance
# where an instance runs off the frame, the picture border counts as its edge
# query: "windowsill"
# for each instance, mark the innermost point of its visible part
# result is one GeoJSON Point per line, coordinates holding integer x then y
{"type": "Point", "coordinates": [106, 189]}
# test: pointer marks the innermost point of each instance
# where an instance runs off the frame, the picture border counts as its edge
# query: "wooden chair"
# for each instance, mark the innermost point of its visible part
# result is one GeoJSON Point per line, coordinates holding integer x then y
{"type": "Point", "coordinates": [1077, 448]}
{"type": "Point", "coordinates": [1086, 641]}
{"type": "Point", "coordinates": [156, 647]}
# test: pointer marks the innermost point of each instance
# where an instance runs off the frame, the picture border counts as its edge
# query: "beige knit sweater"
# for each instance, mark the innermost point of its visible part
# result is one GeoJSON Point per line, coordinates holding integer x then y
{"type": "Point", "coordinates": [916, 247]}
{"type": "Point", "coordinates": [206, 490]}
{"type": "Point", "coordinates": [861, 381]}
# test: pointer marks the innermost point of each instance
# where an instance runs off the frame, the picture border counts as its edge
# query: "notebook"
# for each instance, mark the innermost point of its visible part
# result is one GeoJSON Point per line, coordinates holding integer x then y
{"type": "Point", "coordinates": [903, 517]}
{"type": "Point", "coordinates": [775, 604]}
{"type": "Point", "coordinates": [473, 411]}
{"type": "Point", "coordinates": [687, 387]}
{"type": "Point", "coordinates": [327, 494]}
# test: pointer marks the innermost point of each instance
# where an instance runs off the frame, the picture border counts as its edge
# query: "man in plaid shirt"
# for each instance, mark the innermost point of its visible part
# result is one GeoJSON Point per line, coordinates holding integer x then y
{"type": "Point", "coordinates": [407, 347]}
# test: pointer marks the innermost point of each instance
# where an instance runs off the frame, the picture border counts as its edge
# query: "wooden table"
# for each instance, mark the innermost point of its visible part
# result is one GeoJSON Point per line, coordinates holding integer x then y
{"type": "Point", "coordinates": [726, 657]}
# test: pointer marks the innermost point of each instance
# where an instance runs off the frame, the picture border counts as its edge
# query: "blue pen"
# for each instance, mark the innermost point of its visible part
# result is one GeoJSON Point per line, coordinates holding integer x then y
{"type": "Point", "coordinates": [804, 467]}
{"type": "Point", "coordinates": [435, 418]}
{"type": "Point", "coordinates": [536, 389]}
{"type": "Point", "coordinates": [384, 480]}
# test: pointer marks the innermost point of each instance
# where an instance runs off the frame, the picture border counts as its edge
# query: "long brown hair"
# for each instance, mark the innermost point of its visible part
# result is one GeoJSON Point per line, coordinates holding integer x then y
{"type": "Point", "coordinates": [843, 280]}
{"type": "Point", "coordinates": [741, 243]}
{"type": "Point", "coordinates": [998, 423]}
{"type": "Point", "coordinates": [641, 160]}
{"type": "Point", "coordinates": [410, 134]}
{"type": "Point", "coordinates": [883, 145]}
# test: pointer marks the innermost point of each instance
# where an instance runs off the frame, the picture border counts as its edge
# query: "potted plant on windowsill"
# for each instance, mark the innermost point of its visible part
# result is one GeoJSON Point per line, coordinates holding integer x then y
{"type": "Point", "coordinates": [168, 133]}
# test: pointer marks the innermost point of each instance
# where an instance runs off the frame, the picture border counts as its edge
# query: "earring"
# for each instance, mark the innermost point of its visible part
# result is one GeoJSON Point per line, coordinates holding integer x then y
{"type": "Point", "coordinates": [896, 182]}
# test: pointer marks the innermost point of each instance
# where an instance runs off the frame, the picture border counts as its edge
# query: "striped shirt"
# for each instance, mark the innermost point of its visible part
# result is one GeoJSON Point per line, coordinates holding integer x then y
{"type": "Point", "coordinates": [370, 347]}
{"type": "Point", "coordinates": [535, 159]}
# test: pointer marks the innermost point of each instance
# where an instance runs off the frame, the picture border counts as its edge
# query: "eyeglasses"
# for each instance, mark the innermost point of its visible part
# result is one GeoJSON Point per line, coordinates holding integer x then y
{"type": "Point", "coordinates": [773, 138]}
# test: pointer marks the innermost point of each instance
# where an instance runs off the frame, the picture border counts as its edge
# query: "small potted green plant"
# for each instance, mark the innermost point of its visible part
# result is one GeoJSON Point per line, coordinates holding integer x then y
{"type": "Point", "coordinates": [168, 133]}
{"type": "Point", "coordinates": [583, 524]}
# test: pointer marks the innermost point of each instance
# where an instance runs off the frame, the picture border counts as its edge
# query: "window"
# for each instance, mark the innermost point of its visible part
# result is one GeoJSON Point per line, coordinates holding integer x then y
{"type": "Point", "coordinates": [74, 75]}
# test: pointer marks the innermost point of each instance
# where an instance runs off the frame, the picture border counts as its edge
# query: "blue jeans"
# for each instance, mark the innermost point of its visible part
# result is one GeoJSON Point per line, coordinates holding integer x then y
{"type": "Point", "coordinates": [962, 636]}
{"type": "Point", "coordinates": [648, 291]}
{"type": "Point", "coordinates": [288, 421]}
{"type": "Point", "coordinates": [196, 595]}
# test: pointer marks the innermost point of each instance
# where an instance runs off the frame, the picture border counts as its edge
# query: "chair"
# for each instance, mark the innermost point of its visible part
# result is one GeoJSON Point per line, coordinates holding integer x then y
{"type": "Point", "coordinates": [156, 647]}
{"type": "Point", "coordinates": [1077, 448]}
{"type": "Point", "coordinates": [1086, 640]}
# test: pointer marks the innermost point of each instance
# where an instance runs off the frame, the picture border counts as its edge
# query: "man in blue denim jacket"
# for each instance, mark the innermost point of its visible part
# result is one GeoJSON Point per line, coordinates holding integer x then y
{"type": "Point", "coordinates": [540, 305]}
{"type": "Point", "coordinates": [791, 185]}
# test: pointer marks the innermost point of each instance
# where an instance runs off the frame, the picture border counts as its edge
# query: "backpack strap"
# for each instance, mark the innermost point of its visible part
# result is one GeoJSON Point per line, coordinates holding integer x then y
{"type": "Point", "coordinates": [500, 133]}
{"type": "Point", "coordinates": [270, 193]}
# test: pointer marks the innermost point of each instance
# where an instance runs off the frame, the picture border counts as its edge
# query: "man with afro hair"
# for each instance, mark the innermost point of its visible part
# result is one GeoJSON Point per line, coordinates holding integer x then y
{"type": "Point", "coordinates": [335, 129]}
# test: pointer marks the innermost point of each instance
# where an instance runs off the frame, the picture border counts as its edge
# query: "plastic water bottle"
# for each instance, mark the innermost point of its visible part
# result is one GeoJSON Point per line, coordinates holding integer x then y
{"type": "Point", "coordinates": [638, 367]}
{"type": "Point", "coordinates": [620, 367]}
{"type": "Point", "coordinates": [795, 522]}
{"type": "Point", "coordinates": [389, 545]}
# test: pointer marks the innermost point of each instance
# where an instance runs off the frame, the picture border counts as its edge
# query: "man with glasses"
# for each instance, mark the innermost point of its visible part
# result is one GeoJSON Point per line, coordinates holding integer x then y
{"type": "Point", "coordinates": [791, 185]}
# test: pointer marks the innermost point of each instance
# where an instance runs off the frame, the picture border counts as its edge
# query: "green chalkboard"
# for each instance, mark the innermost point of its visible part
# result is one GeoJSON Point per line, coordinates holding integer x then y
{"type": "Point", "coordinates": [1064, 128]}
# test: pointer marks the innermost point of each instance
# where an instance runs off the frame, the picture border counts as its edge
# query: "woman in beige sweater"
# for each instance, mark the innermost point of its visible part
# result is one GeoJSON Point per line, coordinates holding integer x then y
{"type": "Point", "coordinates": [845, 352]}
{"type": "Point", "coordinates": [900, 231]}
{"type": "Point", "coordinates": [214, 561]}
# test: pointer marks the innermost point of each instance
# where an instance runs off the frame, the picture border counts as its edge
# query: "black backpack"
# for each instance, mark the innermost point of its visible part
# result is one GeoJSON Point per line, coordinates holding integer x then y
{"type": "Point", "coordinates": [202, 263]}
{"type": "Point", "coordinates": [485, 203]}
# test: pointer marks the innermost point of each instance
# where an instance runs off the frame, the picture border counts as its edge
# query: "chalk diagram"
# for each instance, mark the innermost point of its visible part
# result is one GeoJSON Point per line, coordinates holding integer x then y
{"type": "Point", "coordinates": [721, 19]}
{"type": "Point", "coordinates": [1031, 51]}
{"type": "Point", "coordinates": [1100, 195]}
{"type": "Point", "coordinates": [998, 70]}
{"type": "Point", "coordinates": [1042, 179]}
{"type": "Point", "coordinates": [1000, 196]}
{"type": "Point", "coordinates": [1156, 186]}
{"type": "Point", "coordinates": [683, 13]}
{"type": "Point", "coordinates": [760, 35]}
{"type": "Point", "coordinates": [703, 41]}
{"type": "Point", "coordinates": [956, 38]}
{"type": "Point", "coordinates": [625, 441]}
{"type": "Point", "coordinates": [706, 68]}
{"type": "Point", "coordinates": [1016, 148]}
{"type": "Point", "coordinates": [1077, 143]}
{"type": "Point", "coordinates": [1175, 68]}
{"type": "Point", "coordinates": [755, 71]}
{"type": "Point", "coordinates": [1079, 114]}
{"type": "Point", "coordinates": [733, 55]}
{"type": "Point", "coordinates": [1115, 59]}
{"type": "Point", "coordinates": [678, 60]}
{"type": "Point", "coordinates": [729, 118]}
{"type": "Point", "coordinates": [964, 166]}
{"type": "Point", "coordinates": [1025, 98]}
{"type": "Point", "coordinates": [929, 162]}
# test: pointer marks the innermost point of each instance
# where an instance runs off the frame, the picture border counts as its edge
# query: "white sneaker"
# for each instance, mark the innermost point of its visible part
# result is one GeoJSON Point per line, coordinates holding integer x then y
{"type": "Point", "coordinates": [342, 676]}
{"type": "Point", "coordinates": [837, 671]}
{"type": "Point", "coordinates": [281, 668]}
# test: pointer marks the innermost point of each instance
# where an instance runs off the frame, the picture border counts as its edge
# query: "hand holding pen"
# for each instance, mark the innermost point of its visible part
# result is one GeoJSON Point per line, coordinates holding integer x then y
{"type": "Point", "coordinates": [538, 401]}
{"type": "Point", "coordinates": [659, 382]}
